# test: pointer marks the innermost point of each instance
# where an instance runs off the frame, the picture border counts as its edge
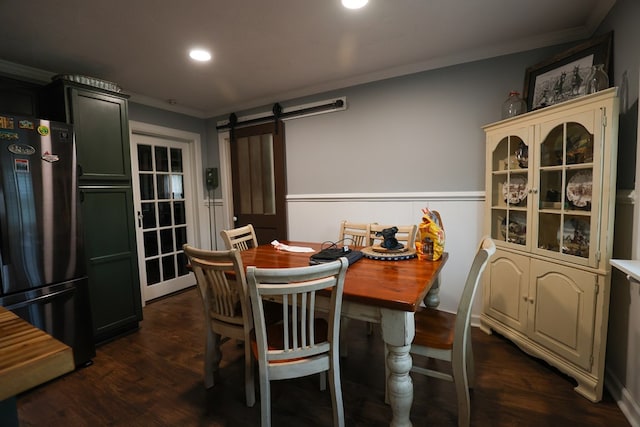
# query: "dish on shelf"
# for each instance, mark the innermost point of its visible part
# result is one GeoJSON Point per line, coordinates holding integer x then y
{"type": "Point", "coordinates": [575, 237]}
{"type": "Point", "coordinates": [551, 205]}
{"type": "Point", "coordinates": [515, 190]}
{"type": "Point", "coordinates": [579, 188]}
{"type": "Point", "coordinates": [579, 148]}
{"type": "Point", "coordinates": [522, 155]}
{"type": "Point", "coordinates": [517, 230]}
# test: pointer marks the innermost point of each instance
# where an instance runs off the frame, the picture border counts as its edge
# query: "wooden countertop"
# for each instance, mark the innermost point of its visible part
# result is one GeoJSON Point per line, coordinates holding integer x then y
{"type": "Point", "coordinates": [28, 356]}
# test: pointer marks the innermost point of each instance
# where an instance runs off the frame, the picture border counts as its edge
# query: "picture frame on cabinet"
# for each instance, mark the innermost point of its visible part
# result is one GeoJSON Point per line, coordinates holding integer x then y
{"type": "Point", "coordinates": [563, 76]}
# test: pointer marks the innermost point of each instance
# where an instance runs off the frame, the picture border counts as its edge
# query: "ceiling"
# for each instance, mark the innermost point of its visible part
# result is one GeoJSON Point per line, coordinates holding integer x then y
{"type": "Point", "coordinates": [270, 51]}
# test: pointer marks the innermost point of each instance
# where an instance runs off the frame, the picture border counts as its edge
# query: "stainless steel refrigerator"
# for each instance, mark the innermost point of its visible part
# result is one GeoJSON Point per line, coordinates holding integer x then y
{"type": "Point", "coordinates": [43, 278]}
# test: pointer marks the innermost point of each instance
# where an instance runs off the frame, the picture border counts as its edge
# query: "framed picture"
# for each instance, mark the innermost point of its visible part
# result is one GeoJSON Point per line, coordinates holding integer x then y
{"type": "Point", "coordinates": [564, 76]}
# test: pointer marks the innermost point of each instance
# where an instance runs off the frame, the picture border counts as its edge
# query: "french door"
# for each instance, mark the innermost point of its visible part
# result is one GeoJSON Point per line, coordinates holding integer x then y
{"type": "Point", "coordinates": [164, 198]}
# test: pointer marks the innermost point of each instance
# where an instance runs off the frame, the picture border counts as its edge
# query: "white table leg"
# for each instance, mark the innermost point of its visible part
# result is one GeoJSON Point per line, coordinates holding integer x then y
{"type": "Point", "coordinates": [432, 300]}
{"type": "Point", "coordinates": [398, 330]}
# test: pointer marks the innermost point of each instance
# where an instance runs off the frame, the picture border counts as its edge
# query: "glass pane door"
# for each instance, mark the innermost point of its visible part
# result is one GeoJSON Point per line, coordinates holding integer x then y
{"type": "Point", "coordinates": [163, 217]}
{"type": "Point", "coordinates": [256, 181]}
{"type": "Point", "coordinates": [566, 186]}
{"type": "Point", "coordinates": [510, 191]}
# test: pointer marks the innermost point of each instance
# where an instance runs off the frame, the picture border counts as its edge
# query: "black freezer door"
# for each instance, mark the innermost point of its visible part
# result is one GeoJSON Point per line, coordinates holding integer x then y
{"type": "Point", "coordinates": [40, 237]}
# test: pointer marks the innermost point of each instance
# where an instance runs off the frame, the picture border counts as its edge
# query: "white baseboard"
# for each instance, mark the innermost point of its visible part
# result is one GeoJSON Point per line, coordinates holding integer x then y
{"type": "Point", "coordinates": [629, 407]}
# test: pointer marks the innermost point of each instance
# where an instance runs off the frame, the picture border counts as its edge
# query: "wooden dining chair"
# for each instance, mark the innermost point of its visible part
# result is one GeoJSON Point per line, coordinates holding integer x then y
{"type": "Point", "coordinates": [302, 344]}
{"type": "Point", "coordinates": [447, 336]}
{"type": "Point", "coordinates": [241, 238]}
{"type": "Point", "coordinates": [354, 234]}
{"type": "Point", "coordinates": [406, 234]}
{"type": "Point", "coordinates": [227, 308]}
{"type": "Point", "coordinates": [351, 234]}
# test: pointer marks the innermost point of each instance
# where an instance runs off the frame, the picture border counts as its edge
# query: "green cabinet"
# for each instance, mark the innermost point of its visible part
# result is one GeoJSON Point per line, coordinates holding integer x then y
{"type": "Point", "coordinates": [102, 120]}
{"type": "Point", "coordinates": [18, 97]}
{"type": "Point", "coordinates": [102, 137]}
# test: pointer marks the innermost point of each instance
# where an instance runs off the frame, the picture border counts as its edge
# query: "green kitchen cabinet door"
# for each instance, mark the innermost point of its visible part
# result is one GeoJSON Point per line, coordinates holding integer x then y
{"type": "Point", "coordinates": [101, 126]}
{"type": "Point", "coordinates": [112, 265]}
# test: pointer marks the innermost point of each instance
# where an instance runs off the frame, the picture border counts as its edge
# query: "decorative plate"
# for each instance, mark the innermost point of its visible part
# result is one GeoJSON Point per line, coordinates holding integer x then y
{"type": "Point", "coordinates": [380, 249]}
{"type": "Point", "coordinates": [370, 253]}
{"type": "Point", "coordinates": [579, 188]}
{"type": "Point", "coordinates": [515, 191]}
{"type": "Point", "coordinates": [516, 232]}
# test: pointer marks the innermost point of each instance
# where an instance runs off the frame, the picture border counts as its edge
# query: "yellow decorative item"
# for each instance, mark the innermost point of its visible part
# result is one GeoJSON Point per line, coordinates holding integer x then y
{"type": "Point", "coordinates": [430, 242]}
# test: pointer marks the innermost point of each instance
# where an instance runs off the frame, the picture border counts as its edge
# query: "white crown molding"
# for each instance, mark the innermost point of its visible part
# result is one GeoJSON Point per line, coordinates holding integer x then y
{"type": "Point", "coordinates": [24, 72]}
{"type": "Point", "coordinates": [164, 105]}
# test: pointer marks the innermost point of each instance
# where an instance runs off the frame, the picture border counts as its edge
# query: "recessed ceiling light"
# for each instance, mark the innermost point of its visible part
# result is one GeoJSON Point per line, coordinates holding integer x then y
{"type": "Point", "coordinates": [354, 4]}
{"type": "Point", "coordinates": [200, 55]}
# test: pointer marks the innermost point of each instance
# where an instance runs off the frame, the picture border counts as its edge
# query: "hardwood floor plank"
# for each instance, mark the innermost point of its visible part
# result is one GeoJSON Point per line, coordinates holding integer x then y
{"type": "Point", "coordinates": [154, 377]}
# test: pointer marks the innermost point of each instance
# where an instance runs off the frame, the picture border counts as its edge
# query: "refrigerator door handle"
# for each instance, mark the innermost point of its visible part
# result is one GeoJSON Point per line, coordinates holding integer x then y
{"type": "Point", "coordinates": [4, 249]}
{"type": "Point", "coordinates": [41, 299]}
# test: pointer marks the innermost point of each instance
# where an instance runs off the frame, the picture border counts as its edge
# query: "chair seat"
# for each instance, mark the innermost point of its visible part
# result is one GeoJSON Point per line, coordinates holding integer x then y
{"type": "Point", "coordinates": [434, 328]}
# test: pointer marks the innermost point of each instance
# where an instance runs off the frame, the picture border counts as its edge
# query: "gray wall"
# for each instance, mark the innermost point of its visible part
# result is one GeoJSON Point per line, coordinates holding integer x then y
{"type": "Point", "coordinates": [417, 133]}
{"type": "Point", "coordinates": [158, 117]}
{"type": "Point", "coordinates": [623, 343]}
{"type": "Point", "coordinates": [623, 20]}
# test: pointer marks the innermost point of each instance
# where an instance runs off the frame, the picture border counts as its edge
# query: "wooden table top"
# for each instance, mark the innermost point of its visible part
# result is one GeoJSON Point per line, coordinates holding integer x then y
{"type": "Point", "coordinates": [28, 356]}
{"type": "Point", "coordinates": [399, 285]}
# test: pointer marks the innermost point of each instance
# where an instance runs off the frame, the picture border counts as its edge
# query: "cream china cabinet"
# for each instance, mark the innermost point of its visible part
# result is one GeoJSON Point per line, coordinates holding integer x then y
{"type": "Point", "coordinates": [550, 197]}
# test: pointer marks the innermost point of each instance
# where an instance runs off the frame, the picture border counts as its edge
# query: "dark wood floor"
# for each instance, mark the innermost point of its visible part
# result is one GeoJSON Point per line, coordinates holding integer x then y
{"type": "Point", "coordinates": [154, 378]}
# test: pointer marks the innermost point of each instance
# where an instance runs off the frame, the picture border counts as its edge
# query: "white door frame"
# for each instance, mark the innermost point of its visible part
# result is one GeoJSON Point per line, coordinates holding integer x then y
{"type": "Point", "coordinates": [195, 177]}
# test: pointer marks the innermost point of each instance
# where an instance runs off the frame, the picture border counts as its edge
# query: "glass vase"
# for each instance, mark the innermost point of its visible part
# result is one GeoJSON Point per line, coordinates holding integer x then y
{"type": "Point", "coordinates": [513, 106]}
{"type": "Point", "coordinates": [597, 79]}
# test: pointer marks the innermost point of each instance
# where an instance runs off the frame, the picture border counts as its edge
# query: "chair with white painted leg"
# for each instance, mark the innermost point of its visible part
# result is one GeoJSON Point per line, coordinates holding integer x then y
{"type": "Point", "coordinates": [302, 344]}
{"type": "Point", "coordinates": [447, 336]}
{"type": "Point", "coordinates": [226, 307]}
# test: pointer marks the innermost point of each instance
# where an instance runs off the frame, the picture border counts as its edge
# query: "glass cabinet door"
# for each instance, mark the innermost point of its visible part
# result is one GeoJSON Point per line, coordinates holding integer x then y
{"type": "Point", "coordinates": [566, 176]}
{"type": "Point", "coordinates": [510, 190]}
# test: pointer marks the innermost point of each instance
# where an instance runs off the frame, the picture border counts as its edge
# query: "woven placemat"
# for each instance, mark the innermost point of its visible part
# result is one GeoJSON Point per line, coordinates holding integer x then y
{"type": "Point", "coordinates": [376, 252]}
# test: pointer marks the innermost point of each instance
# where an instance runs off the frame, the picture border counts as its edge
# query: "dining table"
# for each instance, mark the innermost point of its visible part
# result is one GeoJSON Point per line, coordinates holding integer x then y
{"type": "Point", "coordinates": [384, 291]}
